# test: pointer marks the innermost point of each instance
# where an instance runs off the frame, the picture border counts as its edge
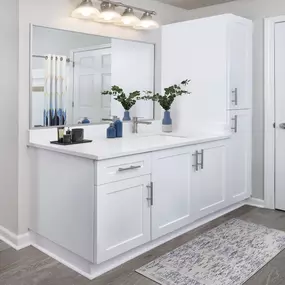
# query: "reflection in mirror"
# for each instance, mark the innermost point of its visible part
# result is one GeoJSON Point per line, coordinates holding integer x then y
{"type": "Point", "coordinates": [71, 70]}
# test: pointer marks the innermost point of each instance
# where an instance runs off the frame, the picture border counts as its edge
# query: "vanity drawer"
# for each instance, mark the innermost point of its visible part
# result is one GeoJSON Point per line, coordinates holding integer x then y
{"type": "Point", "coordinates": [108, 171]}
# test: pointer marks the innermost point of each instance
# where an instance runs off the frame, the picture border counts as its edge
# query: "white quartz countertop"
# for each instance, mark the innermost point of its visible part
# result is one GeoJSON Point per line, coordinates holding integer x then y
{"type": "Point", "coordinates": [101, 149]}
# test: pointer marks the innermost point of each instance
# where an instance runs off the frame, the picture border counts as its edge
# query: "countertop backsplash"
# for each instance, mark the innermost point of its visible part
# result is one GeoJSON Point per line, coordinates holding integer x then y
{"type": "Point", "coordinates": [92, 131]}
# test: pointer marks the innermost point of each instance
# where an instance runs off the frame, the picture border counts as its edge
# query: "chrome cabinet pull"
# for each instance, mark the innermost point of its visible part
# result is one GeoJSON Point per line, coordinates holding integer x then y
{"type": "Point", "coordinates": [235, 120]}
{"type": "Point", "coordinates": [196, 165]}
{"type": "Point", "coordinates": [202, 159]}
{"type": "Point", "coordinates": [201, 163]}
{"type": "Point", "coordinates": [150, 199]}
{"type": "Point", "coordinates": [197, 154]}
{"type": "Point", "coordinates": [132, 167]}
{"type": "Point", "coordinates": [235, 93]}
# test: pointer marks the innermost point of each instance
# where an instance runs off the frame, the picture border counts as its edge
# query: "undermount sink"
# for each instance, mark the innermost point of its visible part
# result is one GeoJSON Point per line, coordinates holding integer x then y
{"type": "Point", "coordinates": [150, 140]}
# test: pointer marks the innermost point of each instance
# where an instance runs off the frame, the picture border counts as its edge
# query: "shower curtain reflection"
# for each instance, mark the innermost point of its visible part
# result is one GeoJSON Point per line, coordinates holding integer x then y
{"type": "Point", "coordinates": [55, 90]}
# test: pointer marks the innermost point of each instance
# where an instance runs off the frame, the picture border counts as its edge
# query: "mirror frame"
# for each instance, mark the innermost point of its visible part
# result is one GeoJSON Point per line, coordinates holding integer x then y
{"type": "Point", "coordinates": [32, 26]}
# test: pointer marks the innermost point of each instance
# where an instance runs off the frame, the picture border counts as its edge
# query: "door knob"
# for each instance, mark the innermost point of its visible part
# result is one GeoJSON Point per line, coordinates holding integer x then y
{"type": "Point", "coordinates": [282, 125]}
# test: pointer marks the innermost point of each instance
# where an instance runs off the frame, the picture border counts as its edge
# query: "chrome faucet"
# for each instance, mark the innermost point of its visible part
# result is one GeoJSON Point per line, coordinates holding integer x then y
{"type": "Point", "coordinates": [136, 121]}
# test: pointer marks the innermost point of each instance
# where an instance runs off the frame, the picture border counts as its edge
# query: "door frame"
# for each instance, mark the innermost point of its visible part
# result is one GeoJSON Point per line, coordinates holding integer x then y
{"type": "Point", "coordinates": [269, 109]}
{"type": "Point", "coordinates": [72, 54]}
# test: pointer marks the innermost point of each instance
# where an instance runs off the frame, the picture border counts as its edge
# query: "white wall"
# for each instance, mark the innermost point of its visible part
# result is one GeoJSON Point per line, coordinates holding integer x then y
{"type": "Point", "coordinates": [55, 14]}
{"type": "Point", "coordinates": [256, 10]}
{"type": "Point", "coordinates": [9, 115]}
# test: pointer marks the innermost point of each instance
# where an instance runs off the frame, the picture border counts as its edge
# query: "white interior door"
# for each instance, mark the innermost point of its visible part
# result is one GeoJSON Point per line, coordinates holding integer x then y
{"type": "Point", "coordinates": [92, 75]}
{"type": "Point", "coordinates": [280, 116]}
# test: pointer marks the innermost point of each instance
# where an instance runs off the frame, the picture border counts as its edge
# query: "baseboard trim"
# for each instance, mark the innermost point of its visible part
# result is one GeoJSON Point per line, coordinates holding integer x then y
{"type": "Point", "coordinates": [91, 271]}
{"type": "Point", "coordinates": [17, 242]}
{"type": "Point", "coordinates": [38, 242]}
{"type": "Point", "coordinates": [255, 202]}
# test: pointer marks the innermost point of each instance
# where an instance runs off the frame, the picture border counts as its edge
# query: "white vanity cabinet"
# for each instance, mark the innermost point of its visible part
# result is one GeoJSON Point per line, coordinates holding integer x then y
{"type": "Point", "coordinates": [188, 183]}
{"type": "Point", "coordinates": [183, 185]}
{"type": "Point", "coordinates": [98, 205]}
{"type": "Point", "coordinates": [209, 178]}
{"type": "Point", "coordinates": [171, 178]}
{"type": "Point", "coordinates": [122, 216]}
{"type": "Point", "coordinates": [123, 207]}
{"type": "Point", "coordinates": [101, 211]}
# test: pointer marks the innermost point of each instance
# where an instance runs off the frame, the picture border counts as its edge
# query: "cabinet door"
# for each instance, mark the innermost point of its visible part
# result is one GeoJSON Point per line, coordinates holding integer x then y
{"type": "Point", "coordinates": [209, 181]}
{"type": "Point", "coordinates": [171, 190]}
{"type": "Point", "coordinates": [239, 157]}
{"type": "Point", "coordinates": [123, 216]}
{"type": "Point", "coordinates": [240, 64]}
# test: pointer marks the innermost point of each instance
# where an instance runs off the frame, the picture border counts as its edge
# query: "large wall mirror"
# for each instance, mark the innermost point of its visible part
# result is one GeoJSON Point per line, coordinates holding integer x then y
{"type": "Point", "coordinates": [69, 71]}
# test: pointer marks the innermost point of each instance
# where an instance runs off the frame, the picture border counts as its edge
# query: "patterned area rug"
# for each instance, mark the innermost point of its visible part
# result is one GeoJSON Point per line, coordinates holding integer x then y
{"type": "Point", "coordinates": [227, 255]}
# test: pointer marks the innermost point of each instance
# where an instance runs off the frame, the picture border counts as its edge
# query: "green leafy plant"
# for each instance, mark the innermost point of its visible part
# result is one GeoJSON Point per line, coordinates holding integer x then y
{"type": "Point", "coordinates": [119, 95]}
{"type": "Point", "coordinates": [170, 93]}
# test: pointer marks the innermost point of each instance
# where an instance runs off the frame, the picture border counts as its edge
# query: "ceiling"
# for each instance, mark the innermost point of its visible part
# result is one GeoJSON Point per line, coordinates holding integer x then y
{"type": "Point", "coordinates": [193, 4]}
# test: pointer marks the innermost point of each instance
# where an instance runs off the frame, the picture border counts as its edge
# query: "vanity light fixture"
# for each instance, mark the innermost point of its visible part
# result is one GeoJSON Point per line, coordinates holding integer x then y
{"type": "Point", "coordinates": [129, 19]}
{"type": "Point", "coordinates": [109, 14]}
{"type": "Point", "coordinates": [146, 22]}
{"type": "Point", "coordinates": [85, 10]}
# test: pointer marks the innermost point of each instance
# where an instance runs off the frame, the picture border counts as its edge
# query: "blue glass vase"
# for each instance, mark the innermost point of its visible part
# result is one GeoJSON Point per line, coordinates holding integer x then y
{"type": "Point", "coordinates": [127, 116]}
{"type": "Point", "coordinates": [167, 122]}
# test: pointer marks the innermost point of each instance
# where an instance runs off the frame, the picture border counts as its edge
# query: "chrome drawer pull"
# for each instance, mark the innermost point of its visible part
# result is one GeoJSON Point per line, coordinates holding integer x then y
{"type": "Point", "coordinates": [132, 167]}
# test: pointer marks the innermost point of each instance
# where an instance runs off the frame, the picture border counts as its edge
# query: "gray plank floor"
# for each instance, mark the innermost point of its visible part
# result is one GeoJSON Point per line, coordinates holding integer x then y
{"type": "Point", "coordinates": [31, 267]}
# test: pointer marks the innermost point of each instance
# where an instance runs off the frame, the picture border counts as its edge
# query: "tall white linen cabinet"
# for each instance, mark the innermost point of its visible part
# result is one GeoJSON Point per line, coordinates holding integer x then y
{"type": "Point", "coordinates": [215, 53]}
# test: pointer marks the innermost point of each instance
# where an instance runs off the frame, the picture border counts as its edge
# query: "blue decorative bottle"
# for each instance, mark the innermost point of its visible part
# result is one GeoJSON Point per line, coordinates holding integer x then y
{"type": "Point", "coordinates": [119, 128]}
{"type": "Point", "coordinates": [167, 122]}
{"type": "Point", "coordinates": [111, 132]}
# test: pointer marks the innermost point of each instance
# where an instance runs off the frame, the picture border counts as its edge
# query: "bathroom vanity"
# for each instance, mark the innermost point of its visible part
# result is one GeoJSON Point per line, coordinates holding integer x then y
{"type": "Point", "coordinates": [97, 205]}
